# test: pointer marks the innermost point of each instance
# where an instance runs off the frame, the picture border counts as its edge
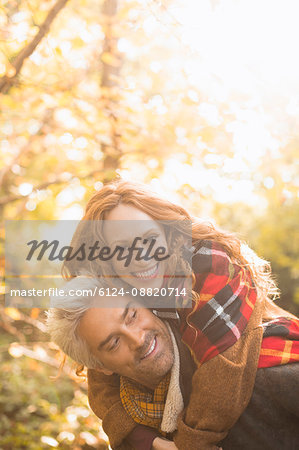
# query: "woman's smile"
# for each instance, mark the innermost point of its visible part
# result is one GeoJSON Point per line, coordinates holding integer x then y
{"type": "Point", "coordinates": [147, 274]}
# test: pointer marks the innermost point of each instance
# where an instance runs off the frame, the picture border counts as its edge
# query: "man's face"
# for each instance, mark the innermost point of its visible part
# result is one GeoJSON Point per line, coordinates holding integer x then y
{"type": "Point", "coordinates": [129, 340]}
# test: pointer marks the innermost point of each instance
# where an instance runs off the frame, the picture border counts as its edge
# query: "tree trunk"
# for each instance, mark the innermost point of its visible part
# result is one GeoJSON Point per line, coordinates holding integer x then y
{"type": "Point", "coordinates": [111, 65]}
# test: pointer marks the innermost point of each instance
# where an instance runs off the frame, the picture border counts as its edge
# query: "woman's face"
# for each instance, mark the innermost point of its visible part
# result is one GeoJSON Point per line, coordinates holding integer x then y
{"type": "Point", "coordinates": [125, 224]}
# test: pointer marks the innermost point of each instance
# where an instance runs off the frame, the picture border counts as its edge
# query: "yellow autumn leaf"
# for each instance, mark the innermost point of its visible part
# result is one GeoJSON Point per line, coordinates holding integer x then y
{"type": "Point", "coordinates": [77, 42]}
{"type": "Point", "coordinates": [110, 59]}
{"type": "Point", "coordinates": [13, 313]}
{"type": "Point", "coordinates": [58, 51]}
{"type": "Point", "coordinates": [10, 70]}
{"type": "Point", "coordinates": [34, 313]}
{"type": "Point", "coordinates": [2, 69]}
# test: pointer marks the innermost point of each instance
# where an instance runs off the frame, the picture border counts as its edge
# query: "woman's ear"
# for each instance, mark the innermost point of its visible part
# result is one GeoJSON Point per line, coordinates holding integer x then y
{"type": "Point", "coordinates": [105, 371]}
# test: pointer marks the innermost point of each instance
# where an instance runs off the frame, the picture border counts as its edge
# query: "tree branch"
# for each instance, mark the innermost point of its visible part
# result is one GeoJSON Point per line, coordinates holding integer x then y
{"type": "Point", "coordinates": [45, 121]}
{"type": "Point", "coordinates": [6, 82]}
{"type": "Point", "coordinates": [13, 197]}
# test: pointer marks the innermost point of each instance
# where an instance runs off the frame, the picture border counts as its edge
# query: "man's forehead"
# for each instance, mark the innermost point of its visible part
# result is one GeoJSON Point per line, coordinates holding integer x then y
{"type": "Point", "coordinates": [100, 319]}
{"type": "Point", "coordinates": [115, 302]}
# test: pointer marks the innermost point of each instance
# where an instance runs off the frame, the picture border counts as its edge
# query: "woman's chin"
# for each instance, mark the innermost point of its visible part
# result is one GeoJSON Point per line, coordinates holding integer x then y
{"type": "Point", "coordinates": [147, 283]}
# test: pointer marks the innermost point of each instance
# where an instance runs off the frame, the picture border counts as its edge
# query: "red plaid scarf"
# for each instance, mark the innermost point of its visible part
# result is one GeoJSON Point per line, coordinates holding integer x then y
{"type": "Point", "coordinates": [227, 298]}
{"type": "Point", "coordinates": [280, 343]}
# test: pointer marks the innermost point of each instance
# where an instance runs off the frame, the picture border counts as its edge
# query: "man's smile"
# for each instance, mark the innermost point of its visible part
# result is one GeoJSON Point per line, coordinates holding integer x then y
{"type": "Point", "coordinates": [151, 349]}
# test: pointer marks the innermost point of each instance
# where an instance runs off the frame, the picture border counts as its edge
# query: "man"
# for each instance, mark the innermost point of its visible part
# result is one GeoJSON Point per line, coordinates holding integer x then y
{"type": "Point", "coordinates": [130, 341]}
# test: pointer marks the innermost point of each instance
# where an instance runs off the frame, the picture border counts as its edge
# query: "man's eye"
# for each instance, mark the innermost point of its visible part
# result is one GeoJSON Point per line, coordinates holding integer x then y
{"type": "Point", "coordinates": [114, 344]}
{"type": "Point", "coordinates": [133, 314]}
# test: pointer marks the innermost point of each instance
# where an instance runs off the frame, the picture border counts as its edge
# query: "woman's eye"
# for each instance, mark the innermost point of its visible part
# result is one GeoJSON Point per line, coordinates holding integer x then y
{"type": "Point", "coordinates": [152, 237]}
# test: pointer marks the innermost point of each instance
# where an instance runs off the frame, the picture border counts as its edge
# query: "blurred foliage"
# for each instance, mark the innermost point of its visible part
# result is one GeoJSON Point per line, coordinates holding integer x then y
{"type": "Point", "coordinates": [38, 409]}
{"type": "Point", "coordinates": [274, 236]}
{"type": "Point", "coordinates": [112, 89]}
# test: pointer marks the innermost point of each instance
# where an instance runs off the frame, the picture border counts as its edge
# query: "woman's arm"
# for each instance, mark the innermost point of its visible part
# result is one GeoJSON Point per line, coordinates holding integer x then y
{"type": "Point", "coordinates": [104, 400]}
{"type": "Point", "coordinates": [221, 390]}
{"type": "Point", "coordinates": [224, 334]}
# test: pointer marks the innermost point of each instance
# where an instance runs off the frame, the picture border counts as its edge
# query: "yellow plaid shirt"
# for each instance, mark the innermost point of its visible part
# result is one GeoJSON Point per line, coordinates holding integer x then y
{"type": "Point", "coordinates": [144, 406]}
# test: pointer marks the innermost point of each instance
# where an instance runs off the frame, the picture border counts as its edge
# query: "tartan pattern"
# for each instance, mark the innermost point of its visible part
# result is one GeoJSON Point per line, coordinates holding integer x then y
{"type": "Point", "coordinates": [143, 406]}
{"type": "Point", "coordinates": [215, 323]}
{"type": "Point", "coordinates": [227, 298]}
{"type": "Point", "coordinates": [280, 343]}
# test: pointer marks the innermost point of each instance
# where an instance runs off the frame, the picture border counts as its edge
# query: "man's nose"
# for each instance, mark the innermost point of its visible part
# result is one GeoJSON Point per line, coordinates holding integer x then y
{"type": "Point", "coordinates": [135, 337]}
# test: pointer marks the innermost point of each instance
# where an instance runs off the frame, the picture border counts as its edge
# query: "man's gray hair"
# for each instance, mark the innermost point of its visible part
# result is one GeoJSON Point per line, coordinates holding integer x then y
{"type": "Point", "coordinates": [64, 316]}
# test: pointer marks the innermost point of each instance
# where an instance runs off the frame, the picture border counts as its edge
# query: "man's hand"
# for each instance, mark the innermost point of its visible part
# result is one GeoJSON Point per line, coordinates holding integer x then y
{"type": "Point", "coordinates": [163, 444]}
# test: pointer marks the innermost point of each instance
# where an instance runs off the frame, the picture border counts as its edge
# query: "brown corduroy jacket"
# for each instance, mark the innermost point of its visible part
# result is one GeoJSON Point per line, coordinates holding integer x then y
{"type": "Point", "coordinates": [221, 390]}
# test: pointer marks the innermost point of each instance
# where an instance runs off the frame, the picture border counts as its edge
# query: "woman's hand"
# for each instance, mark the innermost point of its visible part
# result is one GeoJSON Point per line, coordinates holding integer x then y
{"type": "Point", "coordinates": [163, 444]}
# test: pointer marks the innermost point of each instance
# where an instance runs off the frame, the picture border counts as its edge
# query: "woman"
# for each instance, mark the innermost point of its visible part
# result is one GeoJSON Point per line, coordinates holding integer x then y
{"type": "Point", "coordinates": [232, 291]}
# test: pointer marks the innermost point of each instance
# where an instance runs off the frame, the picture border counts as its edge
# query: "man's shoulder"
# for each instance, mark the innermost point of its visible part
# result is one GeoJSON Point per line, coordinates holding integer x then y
{"type": "Point", "coordinates": [271, 419]}
{"type": "Point", "coordinates": [281, 385]}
